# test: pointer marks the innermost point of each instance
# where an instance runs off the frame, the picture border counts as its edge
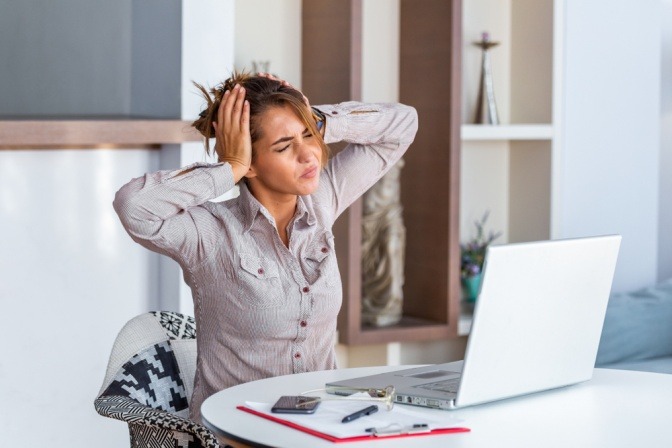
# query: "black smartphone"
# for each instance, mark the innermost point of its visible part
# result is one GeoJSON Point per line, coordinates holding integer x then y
{"type": "Point", "coordinates": [294, 404]}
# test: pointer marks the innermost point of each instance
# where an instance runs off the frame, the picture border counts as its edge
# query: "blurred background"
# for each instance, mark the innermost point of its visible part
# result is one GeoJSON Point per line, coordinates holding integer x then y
{"type": "Point", "coordinates": [94, 93]}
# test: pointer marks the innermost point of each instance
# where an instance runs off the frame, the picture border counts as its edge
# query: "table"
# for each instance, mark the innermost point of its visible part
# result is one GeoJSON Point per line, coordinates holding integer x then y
{"type": "Point", "coordinates": [617, 408]}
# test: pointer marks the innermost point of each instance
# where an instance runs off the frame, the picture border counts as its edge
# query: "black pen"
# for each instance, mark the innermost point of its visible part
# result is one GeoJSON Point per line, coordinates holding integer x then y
{"type": "Point", "coordinates": [355, 415]}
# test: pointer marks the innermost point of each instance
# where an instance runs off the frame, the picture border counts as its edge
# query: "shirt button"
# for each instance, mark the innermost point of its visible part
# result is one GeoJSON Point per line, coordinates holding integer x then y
{"type": "Point", "coordinates": [325, 250]}
{"type": "Point", "coordinates": [297, 355]}
{"type": "Point", "coordinates": [306, 289]}
{"type": "Point", "coordinates": [304, 323]}
{"type": "Point", "coordinates": [334, 112]}
{"type": "Point", "coordinates": [260, 271]}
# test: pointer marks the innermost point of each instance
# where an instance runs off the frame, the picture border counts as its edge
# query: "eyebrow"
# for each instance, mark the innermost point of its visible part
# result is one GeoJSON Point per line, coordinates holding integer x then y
{"type": "Point", "coordinates": [281, 140]}
{"type": "Point", "coordinates": [286, 139]}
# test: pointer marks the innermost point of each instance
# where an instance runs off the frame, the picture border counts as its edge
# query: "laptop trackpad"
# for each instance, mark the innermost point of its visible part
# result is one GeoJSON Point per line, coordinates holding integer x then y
{"type": "Point", "coordinates": [433, 374]}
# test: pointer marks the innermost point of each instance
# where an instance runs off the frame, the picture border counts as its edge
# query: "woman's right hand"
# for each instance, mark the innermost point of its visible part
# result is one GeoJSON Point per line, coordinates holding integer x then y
{"type": "Point", "coordinates": [232, 132]}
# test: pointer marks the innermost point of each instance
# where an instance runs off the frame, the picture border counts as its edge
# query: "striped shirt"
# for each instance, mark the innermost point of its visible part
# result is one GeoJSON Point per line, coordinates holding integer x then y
{"type": "Point", "coordinates": [263, 309]}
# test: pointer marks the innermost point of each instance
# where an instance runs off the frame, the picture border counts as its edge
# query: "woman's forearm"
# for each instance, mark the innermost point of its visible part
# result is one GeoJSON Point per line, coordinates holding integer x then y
{"type": "Point", "coordinates": [147, 203]}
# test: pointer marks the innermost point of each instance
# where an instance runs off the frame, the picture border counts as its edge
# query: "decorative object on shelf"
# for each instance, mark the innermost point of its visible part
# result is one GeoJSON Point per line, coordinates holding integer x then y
{"type": "Point", "coordinates": [261, 66]}
{"type": "Point", "coordinates": [486, 108]}
{"type": "Point", "coordinates": [383, 250]}
{"type": "Point", "coordinates": [472, 257]}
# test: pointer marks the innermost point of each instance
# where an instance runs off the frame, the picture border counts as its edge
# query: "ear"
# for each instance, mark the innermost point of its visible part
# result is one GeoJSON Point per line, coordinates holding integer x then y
{"type": "Point", "coordinates": [251, 173]}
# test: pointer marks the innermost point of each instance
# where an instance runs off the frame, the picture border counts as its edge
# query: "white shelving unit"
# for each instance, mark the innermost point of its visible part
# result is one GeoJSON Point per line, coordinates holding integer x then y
{"type": "Point", "coordinates": [510, 170]}
{"type": "Point", "coordinates": [512, 132]}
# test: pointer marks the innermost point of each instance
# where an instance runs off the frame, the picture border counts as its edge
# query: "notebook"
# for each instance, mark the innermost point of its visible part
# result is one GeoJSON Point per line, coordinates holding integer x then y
{"type": "Point", "coordinates": [537, 325]}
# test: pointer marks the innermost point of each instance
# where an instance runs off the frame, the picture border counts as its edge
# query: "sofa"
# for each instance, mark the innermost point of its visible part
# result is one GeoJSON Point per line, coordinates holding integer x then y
{"type": "Point", "coordinates": [637, 332]}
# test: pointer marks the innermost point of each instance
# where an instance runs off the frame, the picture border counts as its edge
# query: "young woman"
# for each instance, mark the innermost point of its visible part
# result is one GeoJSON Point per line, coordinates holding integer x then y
{"type": "Point", "coordinates": [261, 267]}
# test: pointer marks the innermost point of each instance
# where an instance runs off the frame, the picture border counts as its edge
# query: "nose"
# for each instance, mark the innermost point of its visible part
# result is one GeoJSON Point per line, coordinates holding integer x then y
{"type": "Point", "coordinates": [305, 152]}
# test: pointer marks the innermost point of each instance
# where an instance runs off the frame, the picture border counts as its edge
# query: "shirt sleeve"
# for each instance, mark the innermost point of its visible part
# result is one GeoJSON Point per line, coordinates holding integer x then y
{"type": "Point", "coordinates": [162, 210]}
{"type": "Point", "coordinates": [377, 136]}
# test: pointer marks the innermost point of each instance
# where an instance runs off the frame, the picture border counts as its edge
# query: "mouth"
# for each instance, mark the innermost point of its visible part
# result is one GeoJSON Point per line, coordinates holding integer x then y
{"type": "Point", "coordinates": [310, 173]}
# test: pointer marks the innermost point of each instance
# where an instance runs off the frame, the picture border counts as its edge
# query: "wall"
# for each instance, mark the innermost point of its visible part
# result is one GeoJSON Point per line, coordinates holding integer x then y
{"type": "Point", "coordinates": [269, 30]}
{"type": "Point", "coordinates": [665, 167]}
{"type": "Point", "coordinates": [88, 61]}
{"type": "Point", "coordinates": [610, 154]}
{"type": "Point", "coordinates": [70, 276]}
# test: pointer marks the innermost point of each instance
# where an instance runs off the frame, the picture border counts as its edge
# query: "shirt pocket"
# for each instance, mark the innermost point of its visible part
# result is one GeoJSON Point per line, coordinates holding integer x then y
{"type": "Point", "coordinates": [259, 285]}
{"type": "Point", "coordinates": [320, 260]}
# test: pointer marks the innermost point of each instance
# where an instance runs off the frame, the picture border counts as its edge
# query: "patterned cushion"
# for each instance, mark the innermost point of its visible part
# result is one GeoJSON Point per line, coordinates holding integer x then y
{"type": "Point", "coordinates": [148, 382]}
{"type": "Point", "coordinates": [152, 378]}
{"type": "Point", "coordinates": [177, 326]}
{"type": "Point", "coordinates": [153, 428]}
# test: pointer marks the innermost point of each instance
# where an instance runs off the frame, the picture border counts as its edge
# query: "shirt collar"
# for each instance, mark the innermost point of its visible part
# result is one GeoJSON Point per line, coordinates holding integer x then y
{"type": "Point", "coordinates": [250, 208]}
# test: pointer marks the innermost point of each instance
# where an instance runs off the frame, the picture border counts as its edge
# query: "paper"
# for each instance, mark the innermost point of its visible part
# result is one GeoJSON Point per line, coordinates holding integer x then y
{"type": "Point", "coordinates": [327, 418]}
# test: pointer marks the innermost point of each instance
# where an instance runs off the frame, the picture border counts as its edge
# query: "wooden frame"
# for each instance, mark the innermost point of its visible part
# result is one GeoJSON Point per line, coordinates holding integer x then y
{"type": "Point", "coordinates": [430, 80]}
{"type": "Point", "coordinates": [50, 134]}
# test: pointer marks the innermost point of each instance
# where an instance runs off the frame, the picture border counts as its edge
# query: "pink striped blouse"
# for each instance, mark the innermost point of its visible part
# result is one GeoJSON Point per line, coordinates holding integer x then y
{"type": "Point", "coordinates": [263, 309]}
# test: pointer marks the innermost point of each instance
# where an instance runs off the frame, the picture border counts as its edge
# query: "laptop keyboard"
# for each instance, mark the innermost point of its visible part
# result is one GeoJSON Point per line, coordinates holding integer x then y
{"type": "Point", "coordinates": [450, 386]}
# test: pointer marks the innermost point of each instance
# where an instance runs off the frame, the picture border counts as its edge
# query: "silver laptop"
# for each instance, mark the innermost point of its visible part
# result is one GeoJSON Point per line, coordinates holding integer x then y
{"type": "Point", "coordinates": [537, 325]}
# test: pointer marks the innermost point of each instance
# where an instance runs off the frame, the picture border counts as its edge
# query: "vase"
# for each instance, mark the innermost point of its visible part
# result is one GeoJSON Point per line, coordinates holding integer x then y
{"type": "Point", "coordinates": [471, 286]}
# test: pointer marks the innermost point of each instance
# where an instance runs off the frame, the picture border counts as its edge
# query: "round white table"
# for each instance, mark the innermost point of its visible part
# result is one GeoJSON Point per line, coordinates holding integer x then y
{"type": "Point", "coordinates": [617, 408]}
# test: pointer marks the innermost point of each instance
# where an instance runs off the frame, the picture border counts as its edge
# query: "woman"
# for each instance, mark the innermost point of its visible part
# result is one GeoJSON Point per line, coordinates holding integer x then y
{"type": "Point", "coordinates": [261, 267]}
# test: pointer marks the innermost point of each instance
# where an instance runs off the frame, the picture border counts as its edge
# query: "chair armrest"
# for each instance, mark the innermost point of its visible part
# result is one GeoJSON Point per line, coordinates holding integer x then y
{"type": "Point", "coordinates": [130, 411]}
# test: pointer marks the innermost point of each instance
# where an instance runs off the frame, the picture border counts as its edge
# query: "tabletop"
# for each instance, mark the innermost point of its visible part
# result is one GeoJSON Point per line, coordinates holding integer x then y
{"type": "Point", "coordinates": [616, 408]}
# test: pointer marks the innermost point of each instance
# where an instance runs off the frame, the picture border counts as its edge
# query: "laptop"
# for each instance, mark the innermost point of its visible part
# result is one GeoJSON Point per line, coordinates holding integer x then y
{"type": "Point", "coordinates": [537, 325]}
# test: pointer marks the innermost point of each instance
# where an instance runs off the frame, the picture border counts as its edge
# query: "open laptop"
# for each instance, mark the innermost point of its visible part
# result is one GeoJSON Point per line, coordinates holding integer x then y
{"type": "Point", "coordinates": [537, 325]}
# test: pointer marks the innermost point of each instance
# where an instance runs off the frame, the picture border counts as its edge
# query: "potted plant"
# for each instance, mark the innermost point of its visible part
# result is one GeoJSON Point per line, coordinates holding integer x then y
{"type": "Point", "coordinates": [472, 257]}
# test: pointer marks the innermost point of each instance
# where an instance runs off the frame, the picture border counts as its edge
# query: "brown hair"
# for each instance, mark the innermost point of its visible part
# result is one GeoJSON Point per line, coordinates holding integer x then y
{"type": "Point", "coordinates": [262, 93]}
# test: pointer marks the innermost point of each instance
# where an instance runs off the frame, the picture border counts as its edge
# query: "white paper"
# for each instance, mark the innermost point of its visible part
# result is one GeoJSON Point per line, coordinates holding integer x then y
{"type": "Point", "coordinates": [327, 418]}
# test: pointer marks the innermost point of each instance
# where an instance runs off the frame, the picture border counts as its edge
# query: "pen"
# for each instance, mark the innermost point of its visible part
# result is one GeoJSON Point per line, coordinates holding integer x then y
{"type": "Point", "coordinates": [361, 413]}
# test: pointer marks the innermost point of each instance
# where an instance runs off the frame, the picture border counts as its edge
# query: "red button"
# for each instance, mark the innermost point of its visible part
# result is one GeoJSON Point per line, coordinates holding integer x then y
{"type": "Point", "coordinates": [303, 323]}
{"type": "Point", "coordinates": [306, 289]}
{"type": "Point", "coordinates": [297, 355]}
{"type": "Point", "coordinates": [325, 250]}
{"type": "Point", "coordinates": [260, 271]}
{"type": "Point", "coordinates": [334, 112]}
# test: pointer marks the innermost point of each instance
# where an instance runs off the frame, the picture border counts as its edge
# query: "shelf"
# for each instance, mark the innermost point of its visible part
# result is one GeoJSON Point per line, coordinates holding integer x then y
{"type": "Point", "coordinates": [430, 44]}
{"type": "Point", "coordinates": [475, 132]}
{"type": "Point", "coordinates": [18, 134]}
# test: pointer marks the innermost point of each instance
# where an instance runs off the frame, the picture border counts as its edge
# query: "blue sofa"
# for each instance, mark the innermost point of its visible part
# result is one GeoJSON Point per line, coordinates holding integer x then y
{"type": "Point", "coordinates": [637, 333]}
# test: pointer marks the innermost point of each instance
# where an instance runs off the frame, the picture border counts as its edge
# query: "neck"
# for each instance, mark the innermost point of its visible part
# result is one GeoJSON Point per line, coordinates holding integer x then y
{"type": "Point", "coordinates": [281, 207]}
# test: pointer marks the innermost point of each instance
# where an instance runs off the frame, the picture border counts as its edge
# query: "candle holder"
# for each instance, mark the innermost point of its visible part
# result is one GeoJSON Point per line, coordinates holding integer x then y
{"type": "Point", "coordinates": [486, 108]}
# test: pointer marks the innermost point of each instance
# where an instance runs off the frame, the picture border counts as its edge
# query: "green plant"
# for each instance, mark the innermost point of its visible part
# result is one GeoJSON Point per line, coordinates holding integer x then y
{"type": "Point", "coordinates": [473, 252]}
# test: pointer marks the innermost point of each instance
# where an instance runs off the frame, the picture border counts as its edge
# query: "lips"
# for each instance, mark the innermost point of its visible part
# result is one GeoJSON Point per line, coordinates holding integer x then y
{"type": "Point", "coordinates": [309, 173]}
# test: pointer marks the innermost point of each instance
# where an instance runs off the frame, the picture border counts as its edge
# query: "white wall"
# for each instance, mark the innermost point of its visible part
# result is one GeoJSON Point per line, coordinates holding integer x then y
{"type": "Point", "coordinates": [665, 168]}
{"type": "Point", "coordinates": [610, 153]}
{"type": "Point", "coordinates": [70, 276]}
{"type": "Point", "coordinates": [269, 30]}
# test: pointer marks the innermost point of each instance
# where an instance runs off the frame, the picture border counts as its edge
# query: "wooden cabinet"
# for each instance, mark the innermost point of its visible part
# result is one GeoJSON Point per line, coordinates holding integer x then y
{"type": "Point", "coordinates": [429, 81]}
{"type": "Point", "coordinates": [455, 171]}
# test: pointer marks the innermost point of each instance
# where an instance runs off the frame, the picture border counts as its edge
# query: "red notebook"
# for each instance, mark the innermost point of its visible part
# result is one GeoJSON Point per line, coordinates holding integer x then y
{"type": "Point", "coordinates": [349, 439]}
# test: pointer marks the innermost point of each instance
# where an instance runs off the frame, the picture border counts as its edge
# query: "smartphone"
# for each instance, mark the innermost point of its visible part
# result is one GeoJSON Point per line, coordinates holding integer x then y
{"type": "Point", "coordinates": [294, 404]}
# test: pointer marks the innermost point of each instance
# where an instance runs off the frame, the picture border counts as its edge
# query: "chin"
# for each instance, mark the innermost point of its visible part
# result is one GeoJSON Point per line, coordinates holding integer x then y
{"type": "Point", "coordinates": [305, 190]}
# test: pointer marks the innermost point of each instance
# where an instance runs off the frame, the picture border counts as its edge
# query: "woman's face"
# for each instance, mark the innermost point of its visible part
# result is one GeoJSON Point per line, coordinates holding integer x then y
{"type": "Point", "coordinates": [287, 158]}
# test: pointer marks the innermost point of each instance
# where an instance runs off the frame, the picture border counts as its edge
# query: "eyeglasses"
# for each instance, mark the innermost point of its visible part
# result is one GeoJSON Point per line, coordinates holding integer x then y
{"type": "Point", "coordinates": [384, 395]}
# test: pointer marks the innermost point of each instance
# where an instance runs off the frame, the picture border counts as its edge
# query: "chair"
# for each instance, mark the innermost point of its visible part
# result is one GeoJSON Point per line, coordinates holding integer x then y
{"type": "Point", "coordinates": [149, 381]}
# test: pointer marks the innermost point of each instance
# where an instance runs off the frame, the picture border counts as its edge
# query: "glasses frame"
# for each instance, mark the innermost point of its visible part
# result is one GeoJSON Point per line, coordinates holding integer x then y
{"type": "Point", "coordinates": [385, 395]}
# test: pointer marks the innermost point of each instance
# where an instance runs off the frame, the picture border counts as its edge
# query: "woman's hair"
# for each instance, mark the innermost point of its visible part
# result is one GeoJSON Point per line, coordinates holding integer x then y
{"type": "Point", "coordinates": [262, 93]}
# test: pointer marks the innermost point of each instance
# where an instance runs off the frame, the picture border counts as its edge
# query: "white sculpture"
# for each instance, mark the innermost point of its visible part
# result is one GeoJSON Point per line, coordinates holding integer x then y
{"type": "Point", "coordinates": [383, 249]}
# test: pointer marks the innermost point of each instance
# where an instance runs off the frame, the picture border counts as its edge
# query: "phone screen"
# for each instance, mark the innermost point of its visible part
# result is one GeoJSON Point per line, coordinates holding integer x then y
{"type": "Point", "coordinates": [293, 404]}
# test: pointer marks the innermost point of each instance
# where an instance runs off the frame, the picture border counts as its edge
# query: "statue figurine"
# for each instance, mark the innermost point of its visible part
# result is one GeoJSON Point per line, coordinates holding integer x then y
{"type": "Point", "coordinates": [486, 108]}
{"type": "Point", "coordinates": [383, 249]}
